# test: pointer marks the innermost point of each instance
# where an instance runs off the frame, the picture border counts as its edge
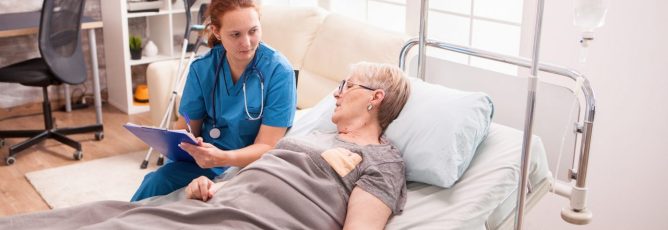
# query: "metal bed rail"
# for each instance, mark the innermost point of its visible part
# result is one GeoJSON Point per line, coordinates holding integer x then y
{"type": "Point", "coordinates": [577, 195]}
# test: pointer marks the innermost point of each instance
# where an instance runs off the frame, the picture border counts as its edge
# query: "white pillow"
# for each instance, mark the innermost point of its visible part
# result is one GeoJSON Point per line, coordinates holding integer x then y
{"type": "Point", "coordinates": [438, 131]}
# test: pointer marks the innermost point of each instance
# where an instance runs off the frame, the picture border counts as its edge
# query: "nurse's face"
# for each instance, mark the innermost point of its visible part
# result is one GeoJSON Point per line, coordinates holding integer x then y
{"type": "Point", "coordinates": [240, 33]}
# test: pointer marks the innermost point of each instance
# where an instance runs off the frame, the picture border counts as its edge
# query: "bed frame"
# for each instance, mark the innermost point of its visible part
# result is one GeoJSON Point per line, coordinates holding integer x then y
{"type": "Point", "coordinates": [577, 213]}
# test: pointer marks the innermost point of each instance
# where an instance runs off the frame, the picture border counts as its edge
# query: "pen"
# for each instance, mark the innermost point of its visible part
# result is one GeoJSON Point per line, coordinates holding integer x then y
{"type": "Point", "coordinates": [188, 122]}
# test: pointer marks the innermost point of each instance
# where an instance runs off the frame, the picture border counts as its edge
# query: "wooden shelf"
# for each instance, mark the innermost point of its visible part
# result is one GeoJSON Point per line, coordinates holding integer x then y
{"type": "Point", "coordinates": [180, 11]}
{"type": "Point", "coordinates": [161, 12]}
{"type": "Point", "coordinates": [147, 60]}
{"type": "Point", "coordinates": [147, 14]}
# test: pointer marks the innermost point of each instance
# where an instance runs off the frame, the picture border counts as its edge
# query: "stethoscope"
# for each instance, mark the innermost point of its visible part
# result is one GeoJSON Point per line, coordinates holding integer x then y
{"type": "Point", "coordinates": [215, 131]}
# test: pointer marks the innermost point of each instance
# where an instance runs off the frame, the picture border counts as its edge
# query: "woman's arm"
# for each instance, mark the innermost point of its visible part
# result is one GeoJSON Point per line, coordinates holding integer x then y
{"type": "Point", "coordinates": [365, 211]}
{"type": "Point", "coordinates": [207, 155]}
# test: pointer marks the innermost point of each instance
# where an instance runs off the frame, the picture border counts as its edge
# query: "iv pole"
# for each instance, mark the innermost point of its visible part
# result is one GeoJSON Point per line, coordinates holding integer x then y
{"type": "Point", "coordinates": [422, 52]}
{"type": "Point", "coordinates": [528, 120]}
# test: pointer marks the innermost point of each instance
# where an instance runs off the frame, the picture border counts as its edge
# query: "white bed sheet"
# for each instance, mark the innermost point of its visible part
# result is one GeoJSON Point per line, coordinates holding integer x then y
{"type": "Point", "coordinates": [489, 183]}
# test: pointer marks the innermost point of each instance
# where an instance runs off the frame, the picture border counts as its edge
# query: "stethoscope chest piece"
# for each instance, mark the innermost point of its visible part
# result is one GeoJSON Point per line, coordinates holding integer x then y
{"type": "Point", "coordinates": [214, 133]}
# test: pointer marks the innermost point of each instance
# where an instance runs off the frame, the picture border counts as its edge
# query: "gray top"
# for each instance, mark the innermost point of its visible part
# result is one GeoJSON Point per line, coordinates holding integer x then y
{"type": "Point", "coordinates": [305, 183]}
{"type": "Point", "coordinates": [381, 171]}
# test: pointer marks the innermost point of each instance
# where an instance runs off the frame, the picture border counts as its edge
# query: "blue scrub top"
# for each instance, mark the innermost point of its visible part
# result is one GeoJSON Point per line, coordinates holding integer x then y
{"type": "Point", "coordinates": [237, 130]}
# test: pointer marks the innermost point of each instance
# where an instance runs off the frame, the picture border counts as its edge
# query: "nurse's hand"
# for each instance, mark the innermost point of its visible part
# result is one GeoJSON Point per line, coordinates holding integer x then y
{"type": "Point", "coordinates": [207, 155]}
{"type": "Point", "coordinates": [202, 188]}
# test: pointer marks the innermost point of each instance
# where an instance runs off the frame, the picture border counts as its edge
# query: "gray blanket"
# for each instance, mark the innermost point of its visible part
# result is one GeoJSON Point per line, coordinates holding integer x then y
{"type": "Point", "coordinates": [292, 187]}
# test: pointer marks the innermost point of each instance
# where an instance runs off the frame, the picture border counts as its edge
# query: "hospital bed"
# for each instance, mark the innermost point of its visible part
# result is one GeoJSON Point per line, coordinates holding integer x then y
{"type": "Point", "coordinates": [486, 196]}
{"type": "Point", "coordinates": [564, 116]}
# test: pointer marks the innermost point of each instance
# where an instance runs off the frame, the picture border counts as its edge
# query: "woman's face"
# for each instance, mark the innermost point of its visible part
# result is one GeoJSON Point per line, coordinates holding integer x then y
{"type": "Point", "coordinates": [240, 33]}
{"type": "Point", "coordinates": [352, 100]}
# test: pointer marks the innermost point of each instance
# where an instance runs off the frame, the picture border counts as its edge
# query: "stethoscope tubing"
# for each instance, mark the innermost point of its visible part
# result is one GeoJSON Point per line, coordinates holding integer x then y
{"type": "Point", "coordinates": [253, 68]}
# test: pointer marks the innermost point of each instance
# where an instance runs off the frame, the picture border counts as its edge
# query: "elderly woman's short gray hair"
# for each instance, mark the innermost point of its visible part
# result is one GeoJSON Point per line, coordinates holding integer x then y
{"type": "Point", "coordinates": [389, 78]}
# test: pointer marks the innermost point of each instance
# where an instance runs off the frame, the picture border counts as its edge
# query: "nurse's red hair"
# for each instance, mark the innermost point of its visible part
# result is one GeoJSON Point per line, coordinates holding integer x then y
{"type": "Point", "coordinates": [218, 8]}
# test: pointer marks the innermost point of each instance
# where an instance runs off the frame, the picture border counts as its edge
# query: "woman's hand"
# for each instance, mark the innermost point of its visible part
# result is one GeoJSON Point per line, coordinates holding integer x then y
{"type": "Point", "coordinates": [202, 188]}
{"type": "Point", "coordinates": [198, 189]}
{"type": "Point", "coordinates": [207, 155]}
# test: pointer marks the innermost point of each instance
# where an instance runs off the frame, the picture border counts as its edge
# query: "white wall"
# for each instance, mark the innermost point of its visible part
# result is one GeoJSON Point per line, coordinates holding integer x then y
{"type": "Point", "coordinates": [627, 67]}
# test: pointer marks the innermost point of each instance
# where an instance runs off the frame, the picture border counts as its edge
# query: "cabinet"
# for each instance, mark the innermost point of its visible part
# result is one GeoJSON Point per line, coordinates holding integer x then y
{"type": "Point", "coordinates": [165, 28]}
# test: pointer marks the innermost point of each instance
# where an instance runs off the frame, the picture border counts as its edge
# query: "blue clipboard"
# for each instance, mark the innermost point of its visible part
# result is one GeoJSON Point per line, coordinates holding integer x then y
{"type": "Point", "coordinates": [164, 141]}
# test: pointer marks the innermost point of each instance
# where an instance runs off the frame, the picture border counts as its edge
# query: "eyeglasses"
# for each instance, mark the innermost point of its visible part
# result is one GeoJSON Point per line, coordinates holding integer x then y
{"type": "Point", "coordinates": [345, 83]}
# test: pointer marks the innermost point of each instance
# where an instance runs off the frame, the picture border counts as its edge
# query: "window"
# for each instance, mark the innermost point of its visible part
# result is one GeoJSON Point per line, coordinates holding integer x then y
{"type": "Point", "coordinates": [388, 14]}
{"type": "Point", "coordinates": [493, 25]}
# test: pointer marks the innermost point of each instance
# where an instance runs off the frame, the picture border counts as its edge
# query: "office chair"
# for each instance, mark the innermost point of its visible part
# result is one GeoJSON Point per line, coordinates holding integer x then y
{"type": "Point", "coordinates": [61, 62]}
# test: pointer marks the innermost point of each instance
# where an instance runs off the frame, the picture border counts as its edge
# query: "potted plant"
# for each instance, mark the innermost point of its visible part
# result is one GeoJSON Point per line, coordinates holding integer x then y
{"type": "Point", "coordinates": [135, 47]}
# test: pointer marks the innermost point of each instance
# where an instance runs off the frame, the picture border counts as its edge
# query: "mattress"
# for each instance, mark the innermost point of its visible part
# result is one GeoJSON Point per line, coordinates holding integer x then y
{"type": "Point", "coordinates": [485, 196]}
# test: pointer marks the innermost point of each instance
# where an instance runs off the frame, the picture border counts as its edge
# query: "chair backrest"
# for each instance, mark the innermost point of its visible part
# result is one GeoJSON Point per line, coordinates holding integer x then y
{"type": "Point", "coordinates": [60, 40]}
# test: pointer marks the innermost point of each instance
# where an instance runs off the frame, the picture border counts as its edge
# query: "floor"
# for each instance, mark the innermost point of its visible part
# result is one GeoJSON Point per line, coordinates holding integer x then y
{"type": "Point", "coordinates": [16, 194]}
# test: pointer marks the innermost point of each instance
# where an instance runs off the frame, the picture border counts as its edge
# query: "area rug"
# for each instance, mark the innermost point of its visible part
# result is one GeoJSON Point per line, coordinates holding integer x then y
{"type": "Point", "coordinates": [111, 178]}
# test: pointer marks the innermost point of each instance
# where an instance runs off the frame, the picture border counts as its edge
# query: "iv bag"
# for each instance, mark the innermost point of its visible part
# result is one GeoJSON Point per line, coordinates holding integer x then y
{"type": "Point", "coordinates": [590, 14]}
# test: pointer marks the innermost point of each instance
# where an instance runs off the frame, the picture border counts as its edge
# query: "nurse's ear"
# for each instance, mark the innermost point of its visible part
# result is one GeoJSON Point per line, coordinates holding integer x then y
{"type": "Point", "coordinates": [215, 31]}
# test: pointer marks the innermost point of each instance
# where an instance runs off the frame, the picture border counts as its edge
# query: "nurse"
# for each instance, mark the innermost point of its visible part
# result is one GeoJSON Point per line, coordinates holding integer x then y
{"type": "Point", "coordinates": [240, 98]}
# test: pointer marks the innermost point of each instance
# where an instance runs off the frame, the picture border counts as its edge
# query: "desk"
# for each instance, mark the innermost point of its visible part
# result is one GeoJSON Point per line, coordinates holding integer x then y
{"type": "Point", "coordinates": [26, 23]}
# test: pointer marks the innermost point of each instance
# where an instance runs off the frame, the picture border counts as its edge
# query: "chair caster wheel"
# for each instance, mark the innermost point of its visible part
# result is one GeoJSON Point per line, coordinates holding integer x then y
{"type": "Point", "coordinates": [78, 155]}
{"type": "Point", "coordinates": [10, 160]}
{"type": "Point", "coordinates": [99, 136]}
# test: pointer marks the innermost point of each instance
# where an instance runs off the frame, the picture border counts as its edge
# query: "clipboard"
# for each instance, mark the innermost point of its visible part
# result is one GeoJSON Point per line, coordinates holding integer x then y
{"type": "Point", "coordinates": [164, 141]}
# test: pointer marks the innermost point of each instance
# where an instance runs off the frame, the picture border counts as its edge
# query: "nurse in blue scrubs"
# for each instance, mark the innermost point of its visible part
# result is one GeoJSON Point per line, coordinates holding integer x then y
{"type": "Point", "coordinates": [240, 98]}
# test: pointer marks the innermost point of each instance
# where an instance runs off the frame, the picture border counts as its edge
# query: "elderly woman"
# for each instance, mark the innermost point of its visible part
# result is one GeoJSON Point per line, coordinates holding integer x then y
{"type": "Point", "coordinates": [353, 178]}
